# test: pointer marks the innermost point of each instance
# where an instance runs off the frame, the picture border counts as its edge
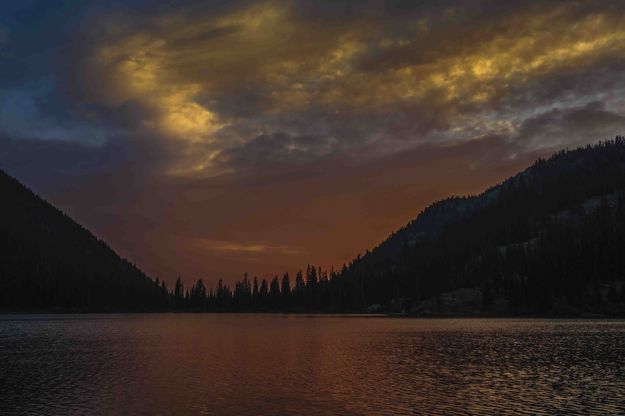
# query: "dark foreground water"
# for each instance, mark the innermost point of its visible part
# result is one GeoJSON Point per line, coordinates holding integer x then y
{"type": "Point", "coordinates": [278, 365]}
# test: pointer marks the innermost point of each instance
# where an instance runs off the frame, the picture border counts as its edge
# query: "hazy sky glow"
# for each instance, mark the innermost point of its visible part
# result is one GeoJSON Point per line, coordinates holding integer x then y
{"type": "Point", "coordinates": [212, 138]}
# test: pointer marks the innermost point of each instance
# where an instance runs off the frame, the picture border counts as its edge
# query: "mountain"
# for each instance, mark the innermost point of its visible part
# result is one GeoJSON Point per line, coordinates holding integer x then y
{"type": "Point", "coordinates": [547, 240]}
{"type": "Point", "coordinates": [49, 262]}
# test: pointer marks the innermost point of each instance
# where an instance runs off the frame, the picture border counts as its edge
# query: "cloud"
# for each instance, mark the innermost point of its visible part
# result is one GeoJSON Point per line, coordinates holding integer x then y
{"type": "Point", "coordinates": [281, 148]}
{"type": "Point", "coordinates": [4, 37]}
{"type": "Point", "coordinates": [570, 127]}
{"type": "Point", "coordinates": [234, 247]}
{"type": "Point", "coordinates": [21, 117]}
{"type": "Point", "coordinates": [29, 158]}
{"type": "Point", "coordinates": [295, 81]}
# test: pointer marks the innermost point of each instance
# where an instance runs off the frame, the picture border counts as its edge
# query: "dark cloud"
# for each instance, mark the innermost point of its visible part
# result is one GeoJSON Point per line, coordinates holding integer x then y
{"type": "Point", "coordinates": [29, 159]}
{"type": "Point", "coordinates": [570, 127]}
{"type": "Point", "coordinates": [280, 148]}
{"type": "Point", "coordinates": [411, 72]}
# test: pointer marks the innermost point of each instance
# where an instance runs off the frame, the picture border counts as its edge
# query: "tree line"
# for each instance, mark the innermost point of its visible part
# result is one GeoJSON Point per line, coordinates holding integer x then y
{"type": "Point", "coordinates": [546, 240]}
{"type": "Point", "coordinates": [311, 290]}
{"type": "Point", "coordinates": [550, 239]}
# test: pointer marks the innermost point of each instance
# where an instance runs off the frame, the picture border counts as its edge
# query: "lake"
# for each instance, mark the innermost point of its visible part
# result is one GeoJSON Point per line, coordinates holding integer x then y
{"type": "Point", "coordinates": [203, 364]}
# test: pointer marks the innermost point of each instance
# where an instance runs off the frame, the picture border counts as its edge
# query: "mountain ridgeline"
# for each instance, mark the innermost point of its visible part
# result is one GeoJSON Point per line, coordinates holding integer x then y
{"type": "Point", "coordinates": [547, 241]}
{"type": "Point", "coordinates": [49, 262]}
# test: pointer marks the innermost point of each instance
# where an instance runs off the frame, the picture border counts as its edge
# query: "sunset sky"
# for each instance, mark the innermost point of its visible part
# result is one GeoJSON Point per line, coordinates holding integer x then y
{"type": "Point", "coordinates": [206, 139]}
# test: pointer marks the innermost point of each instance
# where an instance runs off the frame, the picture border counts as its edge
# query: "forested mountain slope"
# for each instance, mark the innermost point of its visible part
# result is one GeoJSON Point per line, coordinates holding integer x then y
{"type": "Point", "coordinates": [48, 261]}
{"type": "Point", "coordinates": [548, 241]}
{"type": "Point", "coordinates": [551, 237]}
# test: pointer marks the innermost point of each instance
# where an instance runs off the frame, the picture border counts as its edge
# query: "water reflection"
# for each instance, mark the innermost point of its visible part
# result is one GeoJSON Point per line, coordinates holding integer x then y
{"type": "Point", "coordinates": [276, 365]}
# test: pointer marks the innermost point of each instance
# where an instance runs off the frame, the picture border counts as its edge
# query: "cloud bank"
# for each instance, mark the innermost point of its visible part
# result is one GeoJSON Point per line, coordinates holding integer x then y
{"type": "Point", "coordinates": [292, 82]}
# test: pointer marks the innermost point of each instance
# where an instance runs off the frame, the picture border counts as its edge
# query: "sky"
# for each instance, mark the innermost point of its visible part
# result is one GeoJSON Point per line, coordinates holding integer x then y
{"type": "Point", "coordinates": [208, 139]}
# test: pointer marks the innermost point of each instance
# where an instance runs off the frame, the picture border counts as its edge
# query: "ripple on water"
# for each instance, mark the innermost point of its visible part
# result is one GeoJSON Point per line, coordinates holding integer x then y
{"type": "Point", "coordinates": [274, 365]}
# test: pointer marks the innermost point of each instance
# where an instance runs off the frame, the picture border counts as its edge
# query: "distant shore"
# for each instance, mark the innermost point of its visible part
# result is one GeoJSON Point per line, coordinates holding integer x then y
{"type": "Point", "coordinates": [363, 314]}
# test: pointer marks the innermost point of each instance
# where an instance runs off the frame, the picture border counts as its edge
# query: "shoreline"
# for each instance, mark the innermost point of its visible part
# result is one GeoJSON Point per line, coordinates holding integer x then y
{"type": "Point", "coordinates": [584, 316]}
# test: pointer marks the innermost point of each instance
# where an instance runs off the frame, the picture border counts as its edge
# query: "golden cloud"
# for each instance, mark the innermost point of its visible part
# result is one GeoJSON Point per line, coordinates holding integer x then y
{"type": "Point", "coordinates": [185, 67]}
{"type": "Point", "coordinates": [137, 72]}
{"type": "Point", "coordinates": [230, 246]}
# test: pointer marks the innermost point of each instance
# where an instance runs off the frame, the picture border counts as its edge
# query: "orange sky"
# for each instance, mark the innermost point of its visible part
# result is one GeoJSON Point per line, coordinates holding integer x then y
{"type": "Point", "coordinates": [268, 225]}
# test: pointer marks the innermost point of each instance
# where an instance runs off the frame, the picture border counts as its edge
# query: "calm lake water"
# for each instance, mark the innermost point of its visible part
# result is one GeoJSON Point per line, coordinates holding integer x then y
{"type": "Point", "coordinates": [187, 364]}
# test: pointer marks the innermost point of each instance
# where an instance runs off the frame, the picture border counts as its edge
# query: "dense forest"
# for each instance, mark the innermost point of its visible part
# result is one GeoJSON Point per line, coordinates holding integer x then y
{"type": "Point", "coordinates": [549, 240]}
{"type": "Point", "coordinates": [49, 262]}
{"type": "Point", "coordinates": [546, 241]}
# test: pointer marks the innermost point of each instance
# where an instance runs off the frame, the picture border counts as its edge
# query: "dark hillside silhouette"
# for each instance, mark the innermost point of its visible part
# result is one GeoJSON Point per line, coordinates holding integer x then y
{"type": "Point", "coordinates": [546, 241]}
{"type": "Point", "coordinates": [549, 240]}
{"type": "Point", "coordinates": [48, 261]}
